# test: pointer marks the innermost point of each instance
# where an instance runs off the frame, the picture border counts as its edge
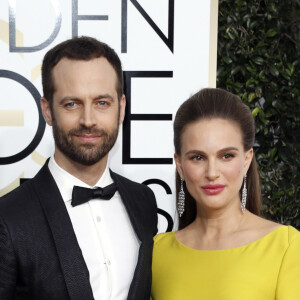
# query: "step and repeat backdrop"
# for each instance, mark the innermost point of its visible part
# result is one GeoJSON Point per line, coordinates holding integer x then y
{"type": "Point", "coordinates": [168, 49]}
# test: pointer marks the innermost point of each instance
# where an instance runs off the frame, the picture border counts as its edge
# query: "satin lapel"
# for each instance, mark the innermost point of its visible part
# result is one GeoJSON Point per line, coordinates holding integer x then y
{"type": "Point", "coordinates": [70, 256]}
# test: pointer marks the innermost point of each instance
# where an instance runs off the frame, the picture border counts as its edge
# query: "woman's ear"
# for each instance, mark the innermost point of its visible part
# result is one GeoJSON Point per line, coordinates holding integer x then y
{"type": "Point", "coordinates": [248, 158]}
{"type": "Point", "coordinates": [46, 110]}
{"type": "Point", "coordinates": [178, 165]}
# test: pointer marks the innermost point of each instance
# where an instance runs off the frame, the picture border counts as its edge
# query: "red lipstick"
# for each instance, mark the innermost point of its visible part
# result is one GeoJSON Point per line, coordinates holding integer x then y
{"type": "Point", "coordinates": [213, 189]}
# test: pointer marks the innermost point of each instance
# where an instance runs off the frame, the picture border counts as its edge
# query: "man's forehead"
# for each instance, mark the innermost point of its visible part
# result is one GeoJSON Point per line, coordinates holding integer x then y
{"type": "Point", "coordinates": [71, 74]}
{"type": "Point", "coordinates": [97, 66]}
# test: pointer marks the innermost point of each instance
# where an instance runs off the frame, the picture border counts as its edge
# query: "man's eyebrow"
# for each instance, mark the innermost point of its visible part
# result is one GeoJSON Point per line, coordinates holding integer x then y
{"type": "Point", "coordinates": [69, 98]}
{"type": "Point", "coordinates": [104, 96]}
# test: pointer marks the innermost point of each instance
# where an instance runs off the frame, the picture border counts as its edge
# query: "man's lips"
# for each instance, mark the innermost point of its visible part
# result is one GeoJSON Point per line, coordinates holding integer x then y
{"type": "Point", "coordinates": [88, 138]}
{"type": "Point", "coordinates": [213, 189]}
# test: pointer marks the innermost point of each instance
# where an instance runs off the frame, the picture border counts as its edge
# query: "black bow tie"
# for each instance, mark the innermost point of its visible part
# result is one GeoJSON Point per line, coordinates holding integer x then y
{"type": "Point", "coordinates": [81, 195]}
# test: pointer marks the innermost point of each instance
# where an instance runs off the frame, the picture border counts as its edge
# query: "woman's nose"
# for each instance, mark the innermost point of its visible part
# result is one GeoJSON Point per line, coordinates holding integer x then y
{"type": "Point", "coordinates": [212, 171]}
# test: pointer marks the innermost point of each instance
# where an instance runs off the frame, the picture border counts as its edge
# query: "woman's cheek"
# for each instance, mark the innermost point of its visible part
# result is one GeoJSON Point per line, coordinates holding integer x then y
{"type": "Point", "coordinates": [234, 170]}
{"type": "Point", "coordinates": [192, 172]}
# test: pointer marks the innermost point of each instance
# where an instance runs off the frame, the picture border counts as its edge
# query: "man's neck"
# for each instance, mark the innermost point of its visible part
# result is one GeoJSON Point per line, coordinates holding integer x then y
{"type": "Point", "coordinates": [88, 174]}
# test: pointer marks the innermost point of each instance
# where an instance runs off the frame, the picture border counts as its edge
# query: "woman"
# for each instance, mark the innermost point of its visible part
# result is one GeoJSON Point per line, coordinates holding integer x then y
{"type": "Point", "coordinates": [223, 250]}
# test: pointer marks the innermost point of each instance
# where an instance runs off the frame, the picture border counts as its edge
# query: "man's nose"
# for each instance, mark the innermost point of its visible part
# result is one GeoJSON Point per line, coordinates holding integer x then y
{"type": "Point", "coordinates": [87, 117]}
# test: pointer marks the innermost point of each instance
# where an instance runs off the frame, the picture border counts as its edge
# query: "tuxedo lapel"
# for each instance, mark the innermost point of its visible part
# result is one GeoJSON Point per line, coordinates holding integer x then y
{"type": "Point", "coordinates": [70, 256]}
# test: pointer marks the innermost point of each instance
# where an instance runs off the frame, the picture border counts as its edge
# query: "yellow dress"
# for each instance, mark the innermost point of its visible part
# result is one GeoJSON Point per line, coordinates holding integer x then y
{"type": "Point", "coordinates": [267, 269]}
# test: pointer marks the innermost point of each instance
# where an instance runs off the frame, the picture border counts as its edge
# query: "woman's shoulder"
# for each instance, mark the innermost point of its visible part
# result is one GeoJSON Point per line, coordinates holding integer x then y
{"type": "Point", "coordinates": [263, 227]}
{"type": "Point", "coordinates": [287, 233]}
{"type": "Point", "coordinates": [293, 234]}
{"type": "Point", "coordinates": [163, 237]}
{"type": "Point", "coordinates": [285, 236]}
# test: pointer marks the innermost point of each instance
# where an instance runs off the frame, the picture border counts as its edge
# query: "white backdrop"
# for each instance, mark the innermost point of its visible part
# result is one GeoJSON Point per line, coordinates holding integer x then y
{"type": "Point", "coordinates": [168, 51]}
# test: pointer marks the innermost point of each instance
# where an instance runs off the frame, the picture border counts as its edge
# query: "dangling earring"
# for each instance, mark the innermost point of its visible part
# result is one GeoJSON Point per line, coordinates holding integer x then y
{"type": "Point", "coordinates": [244, 196]}
{"type": "Point", "coordinates": [181, 199]}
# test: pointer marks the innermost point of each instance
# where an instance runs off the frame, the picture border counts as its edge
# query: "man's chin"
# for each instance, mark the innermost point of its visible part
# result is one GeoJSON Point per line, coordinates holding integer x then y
{"type": "Point", "coordinates": [86, 147]}
{"type": "Point", "coordinates": [84, 154]}
{"type": "Point", "coordinates": [86, 160]}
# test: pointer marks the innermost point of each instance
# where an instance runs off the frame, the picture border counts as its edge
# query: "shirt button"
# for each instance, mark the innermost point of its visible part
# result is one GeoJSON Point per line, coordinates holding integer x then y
{"type": "Point", "coordinates": [98, 219]}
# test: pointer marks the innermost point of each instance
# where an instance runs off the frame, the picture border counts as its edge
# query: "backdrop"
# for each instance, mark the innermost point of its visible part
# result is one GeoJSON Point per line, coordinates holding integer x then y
{"type": "Point", "coordinates": [168, 49]}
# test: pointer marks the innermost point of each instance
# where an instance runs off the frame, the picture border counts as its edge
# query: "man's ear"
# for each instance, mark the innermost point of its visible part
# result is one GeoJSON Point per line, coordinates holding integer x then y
{"type": "Point", "coordinates": [178, 165]}
{"type": "Point", "coordinates": [122, 108]}
{"type": "Point", "coordinates": [46, 110]}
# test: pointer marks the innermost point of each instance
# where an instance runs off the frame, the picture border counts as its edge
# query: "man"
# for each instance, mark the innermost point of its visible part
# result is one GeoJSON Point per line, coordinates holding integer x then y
{"type": "Point", "coordinates": [55, 241]}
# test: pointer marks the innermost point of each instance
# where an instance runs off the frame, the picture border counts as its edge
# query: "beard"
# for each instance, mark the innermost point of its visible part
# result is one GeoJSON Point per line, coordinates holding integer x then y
{"type": "Point", "coordinates": [85, 153]}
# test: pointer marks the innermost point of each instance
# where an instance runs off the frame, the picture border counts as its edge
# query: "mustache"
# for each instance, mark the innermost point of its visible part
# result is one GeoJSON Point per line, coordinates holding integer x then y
{"type": "Point", "coordinates": [88, 130]}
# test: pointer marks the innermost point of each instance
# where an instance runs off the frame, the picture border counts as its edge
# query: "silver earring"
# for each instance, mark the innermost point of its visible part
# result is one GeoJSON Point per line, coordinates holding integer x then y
{"type": "Point", "coordinates": [181, 199]}
{"type": "Point", "coordinates": [244, 196]}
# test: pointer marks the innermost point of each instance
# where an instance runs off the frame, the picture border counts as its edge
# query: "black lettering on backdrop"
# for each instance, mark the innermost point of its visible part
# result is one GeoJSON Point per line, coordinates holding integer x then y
{"type": "Point", "coordinates": [41, 126]}
{"type": "Point", "coordinates": [159, 210]}
{"type": "Point", "coordinates": [168, 218]}
{"type": "Point", "coordinates": [126, 156]}
{"type": "Point", "coordinates": [76, 18]}
{"type": "Point", "coordinates": [124, 27]}
{"type": "Point", "coordinates": [159, 182]}
{"type": "Point", "coordinates": [12, 33]}
{"type": "Point", "coordinates": [169, 41]}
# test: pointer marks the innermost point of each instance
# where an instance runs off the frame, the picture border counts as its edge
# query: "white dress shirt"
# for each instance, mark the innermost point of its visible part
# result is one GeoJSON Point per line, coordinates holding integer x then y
{"type": "Point", "coordinates": [105, 235]}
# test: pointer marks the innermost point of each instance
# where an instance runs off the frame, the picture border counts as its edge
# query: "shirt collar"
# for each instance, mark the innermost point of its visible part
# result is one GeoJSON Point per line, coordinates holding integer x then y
{"type": "Point", "coordinates": [65, 181]}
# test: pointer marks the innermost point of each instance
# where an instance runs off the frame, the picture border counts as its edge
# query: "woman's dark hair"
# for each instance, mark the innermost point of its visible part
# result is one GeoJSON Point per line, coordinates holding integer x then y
{"type": "Point", "coordinates": [209, 104]}
{"type": "Point", "coordinates": [78, 48]}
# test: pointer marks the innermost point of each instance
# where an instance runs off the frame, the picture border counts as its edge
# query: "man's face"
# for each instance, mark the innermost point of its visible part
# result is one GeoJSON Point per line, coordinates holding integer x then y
{"type": "Point", "coordinates": [85, 113]}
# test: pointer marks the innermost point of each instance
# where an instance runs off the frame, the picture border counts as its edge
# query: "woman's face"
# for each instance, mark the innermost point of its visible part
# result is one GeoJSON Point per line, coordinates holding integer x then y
{"type": "Point", "coordinates": [213, 162]}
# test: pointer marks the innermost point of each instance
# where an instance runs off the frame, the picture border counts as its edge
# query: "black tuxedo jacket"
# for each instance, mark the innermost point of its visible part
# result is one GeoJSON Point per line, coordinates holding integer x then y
{"type": "Point", "coordinates": [39, 254]}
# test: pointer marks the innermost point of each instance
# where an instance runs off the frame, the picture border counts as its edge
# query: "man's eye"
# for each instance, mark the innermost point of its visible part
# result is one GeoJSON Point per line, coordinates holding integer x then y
{"type": "Point", "coordinates": [71, 104]}
{"type": "Point", "coordinates": [102, 103]}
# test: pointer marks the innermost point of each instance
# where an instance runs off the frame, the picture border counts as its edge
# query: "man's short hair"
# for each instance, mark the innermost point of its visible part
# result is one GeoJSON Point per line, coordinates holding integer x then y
{"type": "Point", "coordinates": [78, 48]}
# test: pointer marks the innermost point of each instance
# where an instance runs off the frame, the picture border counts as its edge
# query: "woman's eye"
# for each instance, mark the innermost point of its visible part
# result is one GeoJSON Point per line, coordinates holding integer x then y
{"type": "Point", "coordinates": [197, 157]}
{"type": "Point", "coordinates": [227, 156]}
